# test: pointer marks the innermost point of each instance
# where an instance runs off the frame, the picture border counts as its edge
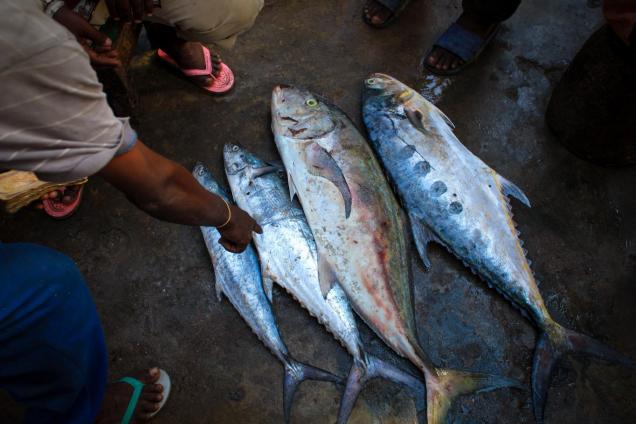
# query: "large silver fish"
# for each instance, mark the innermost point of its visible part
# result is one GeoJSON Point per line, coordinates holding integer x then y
{"type": "Point", "coordinates": [359, 232]}
{"type": "Point", "coordinates": [288, 256]}
{"type": "Point", "coordinates": [238, 277]}
{"type": "Point", "coordinates": [456, 200]}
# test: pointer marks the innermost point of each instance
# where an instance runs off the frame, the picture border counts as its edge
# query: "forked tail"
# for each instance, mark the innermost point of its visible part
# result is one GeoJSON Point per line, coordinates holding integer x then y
{"type": "Point", "coordinates": [444, 385]}
{"type": "Point", "coordinates": [368, 368]}
{"type": "Point", "coordinates": [297, 372]}
{"type": "Point", "coordinates": [553, 344]}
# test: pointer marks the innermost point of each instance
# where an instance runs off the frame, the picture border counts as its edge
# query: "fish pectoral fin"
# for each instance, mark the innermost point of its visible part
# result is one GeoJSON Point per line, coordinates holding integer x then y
{"type": "Point", "coordinates": [326, 275]}
{"type": "Point", "coordinates": [292, 187]}
{"type": "Point", "coordinates": [321, 164]}
{"type": "Point", "coordinates": [218, 286]}
{"type": "Point", "coordinates": [416, 119]}
{"type": "Point", "coordinates": [266, 170]}
{"type": "Point", "coordinates": [511, 190]}
{"type": "Point", "coordinates": [422, 235]}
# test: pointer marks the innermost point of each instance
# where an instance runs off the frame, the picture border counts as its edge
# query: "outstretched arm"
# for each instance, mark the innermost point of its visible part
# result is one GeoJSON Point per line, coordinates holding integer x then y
{"type": "Point", "coordinates": [167, 191]}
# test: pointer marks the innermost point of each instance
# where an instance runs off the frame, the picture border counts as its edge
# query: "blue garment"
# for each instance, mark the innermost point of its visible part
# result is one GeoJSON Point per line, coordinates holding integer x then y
{"type": "Point", "coordinates": [53, 357]}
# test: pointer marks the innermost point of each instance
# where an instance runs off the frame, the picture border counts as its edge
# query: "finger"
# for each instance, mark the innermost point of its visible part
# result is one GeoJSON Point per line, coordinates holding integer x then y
{"type": "Point", "coordinates": [98, 38]}
{"type": "Point", "coordinates": [124, 9]}
{"type": "Point", "coordinates": [104, 48]}
{"type": "Point", "coordinates": [229, 246]}
{"type": "Point", "coordinates": [258, 229]}
{"type": "Point", "coordinates": [138, 10]}
{"type": "Point", "coordinates": [103, 60]}
{"type": "Point", "coordinates": [112, 9]}
{"type": "Point", "coordinates": [53, 195]}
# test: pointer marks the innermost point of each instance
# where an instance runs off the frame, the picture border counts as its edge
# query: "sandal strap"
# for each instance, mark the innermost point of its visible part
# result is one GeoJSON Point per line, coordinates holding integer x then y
{"type": "Point", "coordinates": [461, 42]}
{"type": "Point", "coordinates": [199, 72]}
{"type": "Point", "coordinates": [138, 386]}
{"type": "Point", "coordinates": [393, 5]}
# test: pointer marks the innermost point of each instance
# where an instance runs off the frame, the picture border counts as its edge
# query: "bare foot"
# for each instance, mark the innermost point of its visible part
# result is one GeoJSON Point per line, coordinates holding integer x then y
{"type": "Point", "coordinates": [118, 395]}
{"type": "Point", "coordinates": [444, 60]}
{"type": "Point", "coordinates": [376, 13]}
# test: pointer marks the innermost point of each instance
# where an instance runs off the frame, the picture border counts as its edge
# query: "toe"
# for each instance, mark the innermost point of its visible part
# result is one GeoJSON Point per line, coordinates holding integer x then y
{"type": "Point", "coordinates": [433, 58]}
{"type": "Point", "coordinates": [153, 388]}
{"type": "Point", "coordinates": [149, 407]}
{"type": "Point", "coordinates": [151, 376]}
{"type": "Point", "coordinates": [152, 397]}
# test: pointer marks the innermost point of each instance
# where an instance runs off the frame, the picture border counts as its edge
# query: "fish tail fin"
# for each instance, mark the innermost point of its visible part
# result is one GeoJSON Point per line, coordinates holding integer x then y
{"type": "Point", "coordinates": [443, 386]}
{"type": "Point", "coordinates": [297, 372]}
{"type": "Point", "coordinates": [553, 344]}
{"type": "Point", "coordinates": [371, 367]}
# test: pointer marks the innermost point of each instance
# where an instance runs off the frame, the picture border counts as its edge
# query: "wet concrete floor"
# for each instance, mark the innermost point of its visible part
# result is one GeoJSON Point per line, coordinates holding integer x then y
{"type": "Point", "coordinates": [153, 283]}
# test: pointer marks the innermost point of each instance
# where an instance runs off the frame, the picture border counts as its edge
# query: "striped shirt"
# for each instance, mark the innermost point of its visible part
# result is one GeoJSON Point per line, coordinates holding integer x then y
{"type": "Point", "coordinates": [54, 118]}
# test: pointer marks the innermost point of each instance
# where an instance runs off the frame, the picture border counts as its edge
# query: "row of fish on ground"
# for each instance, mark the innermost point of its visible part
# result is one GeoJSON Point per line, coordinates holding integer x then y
{"type": "Point", "coordinates": [345, 247]}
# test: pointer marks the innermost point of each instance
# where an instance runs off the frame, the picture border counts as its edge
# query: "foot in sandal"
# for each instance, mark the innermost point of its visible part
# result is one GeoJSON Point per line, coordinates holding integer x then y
{"type": "Point", "coordinates": [460, 45]}
{"type": "Point", "coordinates": [380, 13]}
{"type": "Point", "coordinates": [135, 399]}
{"type": "Point", "coordinates": [61, 203]}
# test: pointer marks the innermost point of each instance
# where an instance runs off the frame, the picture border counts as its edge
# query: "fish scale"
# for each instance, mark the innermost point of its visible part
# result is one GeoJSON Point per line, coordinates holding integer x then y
{"type": "Point", "coordinates": [359, 232]}
{"type": "Point", "coordinates": [262, 192]}
{"type": "Point", "coordinates": [238, 277]}
{"type": "Point", "coordinates": [482, 233]}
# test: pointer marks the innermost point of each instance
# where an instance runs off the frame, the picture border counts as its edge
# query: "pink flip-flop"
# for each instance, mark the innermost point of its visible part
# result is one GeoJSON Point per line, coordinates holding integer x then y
{"type": "Point", "coordinates": [221, 83]}
{"type": "Point", "coordinates": [57, 209]}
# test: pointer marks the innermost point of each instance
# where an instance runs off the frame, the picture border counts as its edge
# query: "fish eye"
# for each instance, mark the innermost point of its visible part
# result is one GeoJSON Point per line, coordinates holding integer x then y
{"type": "Point", "coordinates": [311, 102]}
{"type": "Point", "coordinates": [235, 148]}
{"type": "Point", "coordinates": [371, 81]}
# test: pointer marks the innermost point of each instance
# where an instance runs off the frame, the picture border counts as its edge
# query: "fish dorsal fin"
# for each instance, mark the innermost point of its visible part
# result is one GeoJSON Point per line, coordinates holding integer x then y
{"type": "Point", "coordinates": [323, 165]}
{"type": "Point", "coordinates": [422, 235]}
{"type": "Point", "coordinates": [511, 190]}
{"type": "Point", "coordinates": [292, 187]}
{"type": "Point", "coordinates": [326, 275]}
{"type": "Point", "coordinates": [443, 115]}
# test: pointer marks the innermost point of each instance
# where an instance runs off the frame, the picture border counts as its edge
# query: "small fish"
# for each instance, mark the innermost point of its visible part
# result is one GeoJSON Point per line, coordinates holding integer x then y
{"type": "Point", "coordinates": [288, 256]}
{"type": "Point", "coordinates": [359, 232]}
{"type": "Point", "coordinates": [456, 200]}
{"type": "Point", "coordinates": [238, 277]}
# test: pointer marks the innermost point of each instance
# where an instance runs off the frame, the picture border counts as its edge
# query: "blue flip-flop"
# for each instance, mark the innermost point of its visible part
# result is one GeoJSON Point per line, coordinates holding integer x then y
{"type": "Point", "coordinates": [395, 6]}
{"type": "Point", "coordinates": [462, 43]}
{"type": "Point", "coordinates": [138, 386]}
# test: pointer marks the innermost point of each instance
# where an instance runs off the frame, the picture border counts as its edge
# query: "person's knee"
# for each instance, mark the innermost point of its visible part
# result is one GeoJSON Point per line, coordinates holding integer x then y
{"type": "Point", "coordinates": [41, 275]}
{"type": "Point", "coordinates": [245, 12]}
{"type": "Point", "coordinates": [221, 19]}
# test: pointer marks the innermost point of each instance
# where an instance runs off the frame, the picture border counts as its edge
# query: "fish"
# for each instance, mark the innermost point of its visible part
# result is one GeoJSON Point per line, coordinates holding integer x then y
{"type": "Point", "coordinates": [359, 231]}
{"type": "Point", "coordinates": [238, 277]}
{"type": "Point", "coordinates": [454, 199]}
{"type": "Point", "coordinates": [288, 256]}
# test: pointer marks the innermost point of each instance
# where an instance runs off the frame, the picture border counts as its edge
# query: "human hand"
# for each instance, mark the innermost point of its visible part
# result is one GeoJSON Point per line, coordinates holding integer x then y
{"type": "Point", "coordinates": [97, 45]}
{"type": "Point", "coordinates": [237, 234]}
{"type": "Point", "coordinates": [128, 10]}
